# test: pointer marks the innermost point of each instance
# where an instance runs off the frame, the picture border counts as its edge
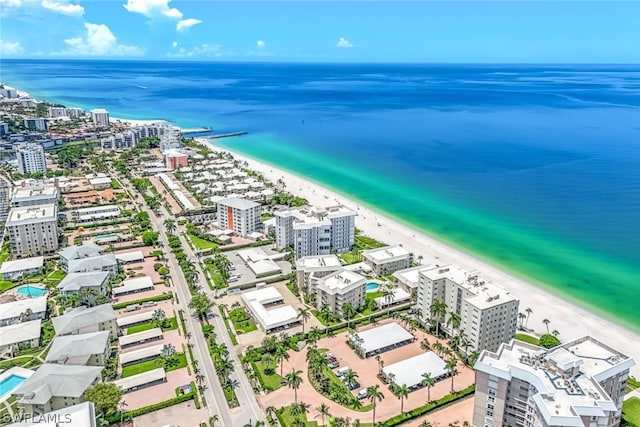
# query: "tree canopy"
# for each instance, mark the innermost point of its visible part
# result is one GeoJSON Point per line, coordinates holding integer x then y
{"type": "Point", "coordinates": [105, 396]}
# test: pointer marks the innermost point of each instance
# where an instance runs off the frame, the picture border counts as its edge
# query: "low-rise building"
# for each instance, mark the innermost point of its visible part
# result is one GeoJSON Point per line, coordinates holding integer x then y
{"type": "Point", "coordinates": [145, 379]}
{"type": "Point", "coordinates": [23, 310]}
{"type": "Point", "coordinates": [106, 262]}
{"type": "Point", "coordinates": [78, 252]}
{"type": "Point", "coordinates": [100, 183]}
{"type": "Point", "coordinates": [54, 387]}
{"type": "Point", "coordinates": [340, 288]}
{"type": "Point", "coordinates": [74, 283]}
{"type": "Point", "coordinates": [239, 215]}
{"type": "Point", "coordinates": [20, 336]}
{"type": "Point", "coordinates": [33, 230]}
{"type": "Point", "coordinates": [310, 269]}
{"type": "Point", "coordinates": [92, 349]}
{"type": "Point", "coordinates": [95, 213]}
{"type": "Point", "coordinates": [131, 286]}
{"type": "Point", "coordinates": [12, 270]}
{"type": "Point", "coordinates": [388, 259]}
{"type": "Point", "coordinates": [409, 278]}
{"type": "Point", "coordinates": [266, 306]}
{"type": "Point", "coordinates": [579, 384]}
{"type": "Point", "coordinates": [80, 415]}
{"type": "Point", "coordinates": [82, 320]}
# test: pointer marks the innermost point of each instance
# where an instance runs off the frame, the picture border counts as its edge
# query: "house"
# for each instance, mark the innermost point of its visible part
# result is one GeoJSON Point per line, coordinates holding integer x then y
{"type": "Point", "coordinates": [54, 387]}
{"type": "Point", "coordinates": [92, 349]}
{"type": "Point", "coordinates": [106, 262]}
{"type": "Point", "coordinates": [78, 252]}
{"type": "Point", "coordinates": [23, 310]}
{"type": "Point", "coordinates": [81, 320]}
{"type": "Point", "coordinates": [12, 270]}
{"type": "Point", "coordinates": [20, 336]}
{"type": "Point", "coordinates": [74, 283]}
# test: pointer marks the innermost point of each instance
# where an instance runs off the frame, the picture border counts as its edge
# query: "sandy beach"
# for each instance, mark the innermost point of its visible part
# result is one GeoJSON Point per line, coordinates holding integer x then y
{"type": "Point", "coordinates": [569, 319]}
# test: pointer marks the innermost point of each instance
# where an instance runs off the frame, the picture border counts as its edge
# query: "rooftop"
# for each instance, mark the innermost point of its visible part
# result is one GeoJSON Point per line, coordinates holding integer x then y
{"type": "Point", "coordinates": [14, 309]}
{"type": "Point", "coordinates": [386, 254]}
{"type": "Point", "coordinates": [143, 353]}
{"type": "Point", "coordinates": [132, 256]}
{"type": "Point", "coordinates": [136, 318]}
{"type": "Point", "coordinates": [73, 282]}
{"type": "Point", "coordinates": [382, 337]}
{"type": "Point", "coordinates": [20, 332]}
{"type": "Point", "coordinates": [77, 349]}
{"type": "Point", "coordinates": [30, 193]}
{"type": "Point", "coordinates": [132, 285]}
{"type": "Point", "coordinates": [341, 281]}
{"type": "Point", "coordinates": [238, 203]}
{"type": "Point", "coordinates": [91, 264]}
{"type": "Point", "coordinates": [316, 262]}
{"type": "Point", "coordinates": [138, 380]}
{"type": "Point", "coordinates": [85, 251]}
{"type": "Point", "coordinates": [57, 381]}
{"type": "Point", "coordinates": [31, 214]}
{"type": "Point", "coordinates": [409, 371]}
{"type": "Point", "coordinates": [22, 264]}
{"type": "Point", "coordinates": [411, 276]}
{"type": "Point", "coordinates": [140, 336]}
{"type": "Point", "coordinates": [82, 317]}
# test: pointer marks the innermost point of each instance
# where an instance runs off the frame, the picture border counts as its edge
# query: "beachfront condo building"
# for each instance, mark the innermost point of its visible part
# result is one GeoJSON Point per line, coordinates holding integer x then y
{"type": "Point", "coordinates": [389, 259]}
{"type": "Point", "coordinates": [239, 215]}
{"type": "Point", "coordinates": [578, 384]}
{"type": "Point", "coordinates": [56, 112]}
{"type": "Point", "coordinates": [33, 230]}
{"type": "Point", "coordinates": [487, 313]}
{"type": "Point", "coordinates": [316, 231]}
{"type": "Point", "coordinates": [31, 158]}
{"type": "Point", "coordinates": [35, 124]}
{"type": "Point", "coordinates": [310, 269]}
{"type": "Point", "coordinates": [31, 195]}
{"type": "Point", "coordinates": [339, 288]}
{"type": "Point", "coordinates": [100, 118]}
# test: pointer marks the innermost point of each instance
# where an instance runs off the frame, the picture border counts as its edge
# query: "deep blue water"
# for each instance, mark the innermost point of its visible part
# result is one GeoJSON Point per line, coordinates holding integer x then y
{"type": "Point", "coordinates": [553, 151]}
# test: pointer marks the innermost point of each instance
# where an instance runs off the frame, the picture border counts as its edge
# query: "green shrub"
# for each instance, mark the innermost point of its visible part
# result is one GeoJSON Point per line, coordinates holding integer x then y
{"type": "Point", "coordinates": [156, 298]}
{"type": "Point", "coordinates": [549, 341]}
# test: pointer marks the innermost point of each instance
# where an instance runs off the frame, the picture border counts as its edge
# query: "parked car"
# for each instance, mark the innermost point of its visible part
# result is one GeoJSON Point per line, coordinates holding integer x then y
{"type": "Point", "coordinates": [334, 364]}
{"type": "Point", "coordinates": [362, 394]}
{"type": "Point", "coordinates": [354, 385]}
{"type": "Point", "coordinates": [149, 304]}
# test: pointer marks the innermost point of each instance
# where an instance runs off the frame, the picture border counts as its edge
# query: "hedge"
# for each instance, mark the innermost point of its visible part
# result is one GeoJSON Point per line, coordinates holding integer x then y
{"type": "Point", "coordinates": [449, 398]}
{"type": "Point", "coordinates": [115, 418]}
{"type": "Point", "coordinates": [156, 298]}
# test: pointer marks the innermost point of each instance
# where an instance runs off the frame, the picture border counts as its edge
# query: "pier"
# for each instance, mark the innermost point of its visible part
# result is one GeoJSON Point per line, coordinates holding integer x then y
{"type": "Point", "coordinates": [196, 130]}
{"type": "Point", "coordinates": [227, 135]}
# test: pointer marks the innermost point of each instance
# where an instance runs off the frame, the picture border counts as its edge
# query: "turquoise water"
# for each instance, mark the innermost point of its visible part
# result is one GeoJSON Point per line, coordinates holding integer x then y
{"type": "Point", "coordinates": [31, 291]}
{"type": "Point", "coordinates": [372, 286]}
{"type": "Point", "coordinates": [9, 383]}
{"type": "Point", "coordinates": [106, 236]}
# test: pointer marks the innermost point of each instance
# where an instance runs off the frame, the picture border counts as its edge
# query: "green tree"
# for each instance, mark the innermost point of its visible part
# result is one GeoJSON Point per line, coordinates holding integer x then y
{"type": "Point", "coordinates": [348, 311]}
{"type": "Point", "coordinates": [549, 341]}
{"type": "Point", "coordinates": [170, 225]}
{"type": "Point", "coordinates": [323, 411]}
{"type": "Point", "coordinates": [105, 397]}
{"type": "Point", "coordinates": [452, 369]}
{"type": "Point", "coordinates": [304, 314]}
{"type": "Point", "coordinates": [200, 303]}
{"type": "Point", "coordinates": [401, 392]}
{"type": "Point", "coordinates": [374, 395]}
{"type": "Point", "coordinates": [428, 381]}
{"type": "Point", "coordinates": [293, 380]}
{"type": "Point", "coordinates": [281, 354]}
{"type": "Point", "coordinates": [438, 309]}
{"type": "Point", "coordinates": [149, 238]}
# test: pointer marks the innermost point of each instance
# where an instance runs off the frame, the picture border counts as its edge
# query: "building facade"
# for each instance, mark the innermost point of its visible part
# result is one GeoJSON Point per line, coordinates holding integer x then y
{"type": "Point", "coordinates": [100, 118]}
{"type": "Point", "coordinates": [310, 269]}
{"type": "Point", "coordinates": [239, 215]}
{"type": "Point", "coordinates": [33, 230]}
{"type": "Point", "coordinates": [487, 314]}
{"type": "Point", "coordinates": [31, 158]}
{"type": "Point", "coordinates": [340, 288]}
{"type": "Point", "coordinates": [35, 124]}
{"type": "Point", "coordinates": [316, 231]}
{"type": "Point", "coordinates": [578, 384]}
{"type": "Point", "coordinates": [43, 194]}
{"type": "Point", "coordinates": [387, 260]}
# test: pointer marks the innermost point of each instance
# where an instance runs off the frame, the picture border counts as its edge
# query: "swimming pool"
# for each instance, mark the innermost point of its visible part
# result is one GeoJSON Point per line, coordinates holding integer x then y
{"type": "Point", "coordinates": [107, 236]}
{"type": "Point", "coordinates": [372, 286]}
{"type": "Point", "coordinates": [31, 291]}
{"type": "Point", "coordinates": [9, 383]}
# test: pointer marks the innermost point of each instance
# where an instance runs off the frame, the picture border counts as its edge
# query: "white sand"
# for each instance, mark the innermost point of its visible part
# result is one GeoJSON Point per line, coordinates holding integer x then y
{"type": "Point", "coordinates": [570, 320]}
{"type": "Point", "coordinates": [133, 122]}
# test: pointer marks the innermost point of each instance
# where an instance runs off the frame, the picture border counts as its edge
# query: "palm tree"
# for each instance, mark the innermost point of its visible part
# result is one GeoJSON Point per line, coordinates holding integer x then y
{"type": "Point", "coordinates": [199, 379]}
{"type": "Point", "coordinates": [297, 409]}
{"type": "Point", "coordinates": [170, 225]}
{"type": "Point", "coordinates": [323, 411]}
{"type": "Point", "coordinates": [270, 411]}
{"type": "Point", "coordinates": [348, 311]}
{"type": "Point", "coordinates": [304, 314]}
{"type": "Point", "coordinates": [453, 321]}
{"type": "Point", "coordinates": [293, 380]}
{"type": "Point", "coordinates": [281, 355]}
{"type": "Point", "coordinates": [425, 345]}
{"type": "Point", "coordinates": [379, 360]}
{"type": "Point", "coordinates": [159, 316]}
{"type": "Point", "coordinates": [555, 333]}
{"type": "Point", "coordinates": [350, 377]}
{"type": "Point", "coordinates": [529, 311]}
{"type": "Point", "coordinates": [428, 381]}
{"type": "Point", "coordinates": [374, 395]}
{"type": "Point", "coordinates": [438, 309]}
{"type": "Point", "coordinates": [451, 367]}
{"type": "Point", "coordinates": [546, 323]}
{"type": "Point", "coordinates": [522, 317]}
{"type": "Point", "coordinates": [401, 391]}
{"type": "Point", "coordinates": [213, 420]}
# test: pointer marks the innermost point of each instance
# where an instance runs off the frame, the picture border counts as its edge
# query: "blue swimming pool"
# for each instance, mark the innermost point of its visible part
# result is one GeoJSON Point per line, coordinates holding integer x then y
{"type": "Point", "coordinates": [9, 383]}
{"type": "Point", "coordinates": [31, 291]}
{"type": "Point", "coordinates": [107, 236]}
{"type": "Point", "coordinates": [372, 286]}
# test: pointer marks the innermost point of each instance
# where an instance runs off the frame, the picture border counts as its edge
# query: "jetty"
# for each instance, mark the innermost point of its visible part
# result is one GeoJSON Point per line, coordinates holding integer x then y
{"type": "Point", "coordinates": [227, 135]}
{"type": "Point", "coordinates": [196, 130]}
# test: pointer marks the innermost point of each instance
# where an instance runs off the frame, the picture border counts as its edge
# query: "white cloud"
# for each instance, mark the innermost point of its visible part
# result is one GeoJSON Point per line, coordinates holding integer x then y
{"type": "Point", "coordinates": [153, 8]}
{"type": "Point", "coordinates": [261, 43]}
{"type": "Point", "coordinates": [99, 41]}
{"type": "Point", "coordinates": [344, 43]}
{"type": "Point", "coordinates": [174, 45]}
{"type": "Point", "coordinates": [7, 6]}
{"type": "Point", "coordinates": [63, 8]}
{"type": "Point", "coordinates": [185, 24]}
{"type": "Point", "coordinates": [10, 48]}
{"type": "Point", "coordinates": [204, 50]}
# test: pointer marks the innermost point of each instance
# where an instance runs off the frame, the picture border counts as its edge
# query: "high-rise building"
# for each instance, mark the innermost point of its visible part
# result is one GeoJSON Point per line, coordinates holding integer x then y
{"type": "Point", "coordinates": [74, 112]}
{"type": "Point", "coordinates": [4, 201]}
{"type": "Point", "coordinates": [35, 124]}
{"type": "Point", "coordinates": [55, 112]}
{"type": "Point", "coordinates": [487, 315]}
{"type": "Point", "coordinates": [316, 231]}
{"type": "Point", "coordinates": [339, 288]}
{"type": "Point", "coordinates": [100, 117]}
{"type": "Point", "coordinates": [33, 230]}
{"type": "Point", "coordinates": [239, 215]}
{"type": "Point", "coordinates": [388, 259]}
{"type": "Point", "coordinates": [43, 194]}
{"type": "Point", "coordinates": [4, 128]}
{"type": "Point", "coordinates": [579, 384]}
{"type": "Point", "coordinates": [30, 158]}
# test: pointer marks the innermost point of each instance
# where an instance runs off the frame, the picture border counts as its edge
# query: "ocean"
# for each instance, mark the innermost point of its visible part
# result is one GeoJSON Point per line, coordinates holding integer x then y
{"type": "Point", "coordinates": [534, 168]}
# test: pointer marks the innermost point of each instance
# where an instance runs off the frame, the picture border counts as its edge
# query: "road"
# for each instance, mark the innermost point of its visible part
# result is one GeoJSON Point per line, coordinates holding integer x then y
{"type": "Point", "coordinates": [249, 410]}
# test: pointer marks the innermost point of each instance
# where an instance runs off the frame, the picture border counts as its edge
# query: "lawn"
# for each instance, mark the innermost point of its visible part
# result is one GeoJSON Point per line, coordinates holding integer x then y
{"type": "Point", "coordinates": [18, 361]}
{"type": "Point", "coordinates": [528, 338]}
{"type": "Point", "coordinates": [148, 365]}
{"type": "Point", "coordinates": [241, 321]}
{"type": "Point", "coordinates": [6, 285]}
{"type": "Point", "coordinates": [632, 384]}
{"type": "Point", "coordinates": [351, 258]}
{"type": "Point", "coordinates": [150, 325]}
{"type": "Point", "coordinates": [202, 244]}
{"type": "Point", "coordinates": [365, 242]}
{"type": "Point", "coordinates": [215, 276]}
{"type": "Point", "coordinates": [631, 411]}
{"type": "Point", "coordinates": [269, 382]}
{"type": "Point", "coordinates": [6, 252]}
{"type": "Point", "coordinates": [373, 295]}
{"type": "Point", "coordinates": [286, 419]}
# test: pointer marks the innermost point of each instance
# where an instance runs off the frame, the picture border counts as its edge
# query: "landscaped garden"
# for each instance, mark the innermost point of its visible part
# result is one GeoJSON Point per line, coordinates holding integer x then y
{"type": "Point", "coordinates": [177, 361]}
{"type": "Point", "coordinates": [166, 325]}
{"type": "Point", "coordinates": [242, 322]}
{"type": "Point", "coordinates": [631, 411]}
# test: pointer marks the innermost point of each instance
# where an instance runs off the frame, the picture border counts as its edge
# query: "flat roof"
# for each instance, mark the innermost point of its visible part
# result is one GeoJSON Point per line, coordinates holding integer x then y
{"type": "Point", "coordinates": [21, 264]}
{"type": "Point", "coordinates": [409, 371]}
{"type": "Point", "coordinates": [143, 353]}
{"type": "Point", "coordinates": [133, 285]}
{"type": "Point", "coordinates": [341, 281]}
{"type": "Point", "coordinates": [397, 295]}
{"type": "Point", "coordinates": [98, 209]}
{"type": "Point", "coordinates": [264, 267]}
{"type": "Point", "coordinates": [382, 337]}
{"type": "Point", "coordinates": [130, 256]}
{"type": "Point", "coordinates": [266, 295]}
{"type": "Point", "coordinates": [238, 203]}
{"type": "Point", "coordinates": [411, 276]}
{"type": "Point", "coordinates": [140, 336]}
{"type": "Point", "coordinates": [20, 332]}
{"type": "Point", "coordinates": [386, 254]}
{"type": "Point", "coordinates": [29, 193]}
{"type": "Point", "coordinates": [275, 317]}
{"type": "Point", "coordinates": [14, 309]}
{"type": "Point", "coordinates": [31, 214]}
{"type": "Point", "coordinates": [139, 380]}
{"type": "Point", "coordinates": [319, 262]}
{"type": "Point", "coordinates": [80, 415]}
{"type": "Point", "coordinates": [136, 318]}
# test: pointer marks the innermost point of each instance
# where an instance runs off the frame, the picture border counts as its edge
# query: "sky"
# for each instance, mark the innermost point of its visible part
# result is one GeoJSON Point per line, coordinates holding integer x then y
{"type": "Point", "coordinates": [453, 31]}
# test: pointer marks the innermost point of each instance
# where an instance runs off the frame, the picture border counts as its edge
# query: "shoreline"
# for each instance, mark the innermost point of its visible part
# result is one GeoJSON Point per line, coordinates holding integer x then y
{"type": "Point", "coordinates": [571, 319]}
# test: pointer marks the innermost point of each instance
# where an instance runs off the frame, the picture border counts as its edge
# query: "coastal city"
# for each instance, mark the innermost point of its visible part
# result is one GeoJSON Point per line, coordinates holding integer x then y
{"type": "Point", "coordinates": [153, 278]}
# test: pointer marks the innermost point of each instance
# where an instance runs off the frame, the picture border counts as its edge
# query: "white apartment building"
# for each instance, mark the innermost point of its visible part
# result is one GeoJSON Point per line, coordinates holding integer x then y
{"type": "Point", "coordinates": [30, 158]}
{"type": "Point", "coordinates": [4, 128]}
{"type": "Point", "coordinates": [577, 384]}
{"type": "Point", "coordinates": [100, 117]}
{"type": "Point", "coordinates": [488, 314]}
{"type": "Point", "coordinates": [43, 194]}
{"type": "Point", "coordinates": [339, 288]}
{"type": "Point", "coordinates": [95, 213]}
{"type": "Point", "coordinates": [55, 112]}
{"type": "Point", "coordinates": [310, 269]}
{"type": "Point", "coordinates": [239, 215]}
{"type": "Point", "coordinates": [74, 112]}
{"type": "Point", "coordinates": [316, 231]}
{"type": "Point", "coordinates": [387, 260]}
{"type": "Point", "coordinates": [33, 230]}
{"type": "Point", "coordinates": [35, 124]}
{"type": "Point", "coordinates": [119, 141]}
